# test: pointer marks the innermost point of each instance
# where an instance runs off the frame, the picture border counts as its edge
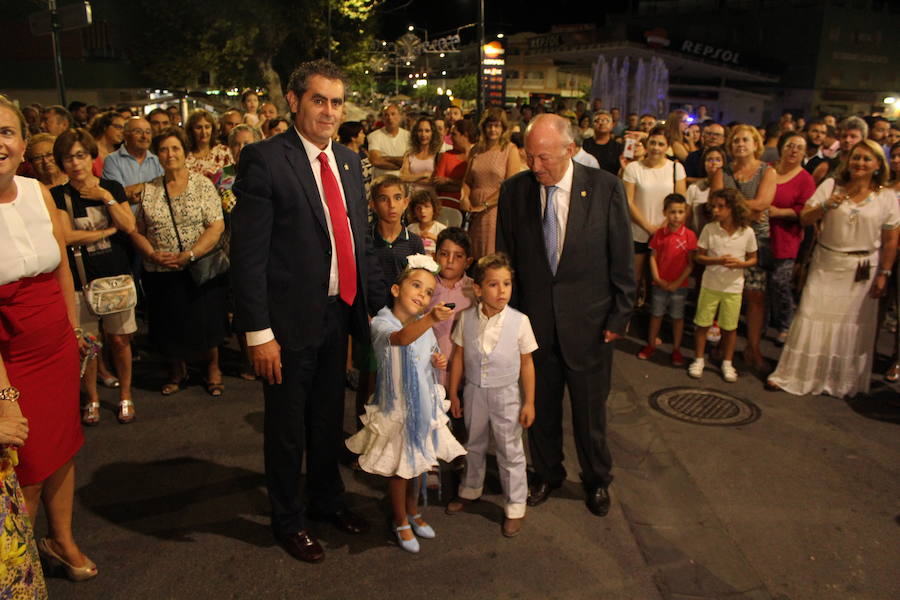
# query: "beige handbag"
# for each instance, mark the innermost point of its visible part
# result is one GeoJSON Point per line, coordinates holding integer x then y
{"type": "Point", "coordinates": [104, 295]}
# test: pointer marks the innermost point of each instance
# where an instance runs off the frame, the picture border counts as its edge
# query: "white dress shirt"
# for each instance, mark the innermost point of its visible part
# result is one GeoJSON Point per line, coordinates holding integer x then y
{"type": "Point", "coordinates": [255, 338]}
{"type": "Point", "coordinates": [561, 202]}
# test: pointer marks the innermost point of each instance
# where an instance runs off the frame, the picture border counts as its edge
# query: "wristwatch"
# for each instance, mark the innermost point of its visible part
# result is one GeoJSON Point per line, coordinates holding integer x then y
{"type": "Point", "coordinates": [9, 394]}
{"type": "Point", "coordinates": [193, 258]}
{"type": "Point", "coordinates": [111, 202]}
{"type": "Point", "coordinates": [885, 272]}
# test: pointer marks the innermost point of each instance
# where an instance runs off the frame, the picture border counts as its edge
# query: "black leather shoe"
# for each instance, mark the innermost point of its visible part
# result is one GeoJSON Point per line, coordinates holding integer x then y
{"type": "Point", "coordinates": [344, 520]}
{"type": "Point", "coordinates": [303, 546]}
{"type": "Point", "coordinates": [539, 492]}
{"type": "Point", "coordinates": [598, 501]}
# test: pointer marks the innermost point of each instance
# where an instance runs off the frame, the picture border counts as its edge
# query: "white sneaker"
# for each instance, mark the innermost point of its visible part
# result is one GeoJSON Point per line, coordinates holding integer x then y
{"type": "Point", "coordinates": [729, 373]}
{"type": "Point", "coordinates": [696, 368]}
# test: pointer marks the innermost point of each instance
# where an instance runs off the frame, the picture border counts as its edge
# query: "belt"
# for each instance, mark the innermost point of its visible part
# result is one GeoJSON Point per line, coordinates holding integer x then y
{"type": "Point", "coordinates": [850, 252]}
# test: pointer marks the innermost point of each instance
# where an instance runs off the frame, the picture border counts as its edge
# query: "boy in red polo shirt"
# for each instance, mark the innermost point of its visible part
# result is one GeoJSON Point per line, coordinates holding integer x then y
{"type": "Point", "coordinates": [672, 246]}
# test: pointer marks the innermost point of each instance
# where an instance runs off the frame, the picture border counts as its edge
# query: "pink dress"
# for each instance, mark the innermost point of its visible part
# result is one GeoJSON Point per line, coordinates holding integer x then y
{"type": "Point", "coordinates": [487, 172]}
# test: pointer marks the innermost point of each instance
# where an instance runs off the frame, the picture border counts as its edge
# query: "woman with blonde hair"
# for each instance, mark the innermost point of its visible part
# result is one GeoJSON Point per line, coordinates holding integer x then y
{"type": "Point", "coordinates": [39, 340]}
{"type": "Point", "coordinates": [676, 126]}
{"type": "Point", "coordinates": [756, 181]}
{"type": "Point", "coordinates": [205, 156]}
{"type": "Point", "coordinates": [829, 348]}
{"type": "Point", "coordinates": [491, 161]}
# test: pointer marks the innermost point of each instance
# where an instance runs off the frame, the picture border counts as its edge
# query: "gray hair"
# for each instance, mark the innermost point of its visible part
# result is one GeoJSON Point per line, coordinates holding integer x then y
{"type": "Point", "coordinates": [855, 123]}
{"type": "Point", "coordinates": [232, 135]}
{"type": "Point", "coordinates": [561, 125]}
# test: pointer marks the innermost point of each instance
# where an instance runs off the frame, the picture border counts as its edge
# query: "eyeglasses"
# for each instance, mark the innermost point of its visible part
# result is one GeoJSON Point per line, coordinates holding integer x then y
{"type": "Point", "coordinates": [713, 134]}
{"type": "Point", "coordinates": [117, 126]}
{"type": "Point", "coordinates": [140, 131]}
{"type": "Point", "coordinates": [41, 157]}
{"type": "Point", "coordinates": [77, 156]}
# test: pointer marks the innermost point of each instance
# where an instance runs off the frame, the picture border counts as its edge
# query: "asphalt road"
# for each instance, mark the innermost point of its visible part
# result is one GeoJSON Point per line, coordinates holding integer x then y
{"type": "Point", "coordinates": [802, 503]}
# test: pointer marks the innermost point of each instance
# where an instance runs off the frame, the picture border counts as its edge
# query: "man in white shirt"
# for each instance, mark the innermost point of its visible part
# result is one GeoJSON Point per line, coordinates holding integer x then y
{"type": "Point", "coordinates": [388, 144]}
{"type": "Point", "coordinates": [300, 264]}
{"type": "Point", "coordinates": [574, 278]}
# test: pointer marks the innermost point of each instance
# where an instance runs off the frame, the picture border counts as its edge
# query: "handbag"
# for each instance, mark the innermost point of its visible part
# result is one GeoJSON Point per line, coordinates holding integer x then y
{"type": "Point", "coordinates": [207, 267]}
{"type": "Point", "coordinates": [104, 295]}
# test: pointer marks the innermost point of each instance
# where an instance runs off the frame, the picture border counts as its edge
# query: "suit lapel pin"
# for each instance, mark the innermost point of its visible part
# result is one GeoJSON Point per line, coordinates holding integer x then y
{"type": "Point", "coordinates": [346, 167]}
{"type": "Point", "coordinates": [583, 194]}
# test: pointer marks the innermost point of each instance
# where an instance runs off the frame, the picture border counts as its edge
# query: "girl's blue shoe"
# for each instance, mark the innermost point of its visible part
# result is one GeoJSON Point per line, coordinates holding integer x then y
{"type": "Point", "coordinates": [408, 545]}
{"type": "Point", "coordinates": [423, 531]}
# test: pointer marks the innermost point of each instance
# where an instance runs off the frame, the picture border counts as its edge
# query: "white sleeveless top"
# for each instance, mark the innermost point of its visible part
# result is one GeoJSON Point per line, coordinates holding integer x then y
{"type": "Point", "coordinates": [27, 245]}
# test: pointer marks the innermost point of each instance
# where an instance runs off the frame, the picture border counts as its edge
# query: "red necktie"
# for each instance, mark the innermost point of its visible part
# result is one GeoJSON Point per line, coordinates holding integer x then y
{"type": "Point", "coordinates": [341, 229]}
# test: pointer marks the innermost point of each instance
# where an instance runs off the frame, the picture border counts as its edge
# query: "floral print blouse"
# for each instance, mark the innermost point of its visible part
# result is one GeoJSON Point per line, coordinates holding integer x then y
{"type": "Point", "coordinates": [195, 209]}
{"type": "Point", "coordinates": [219, 158]}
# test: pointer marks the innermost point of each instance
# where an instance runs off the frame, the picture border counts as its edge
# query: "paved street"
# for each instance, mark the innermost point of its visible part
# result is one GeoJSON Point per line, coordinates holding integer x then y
{"type": "Point", "coordinates": [803, 503]}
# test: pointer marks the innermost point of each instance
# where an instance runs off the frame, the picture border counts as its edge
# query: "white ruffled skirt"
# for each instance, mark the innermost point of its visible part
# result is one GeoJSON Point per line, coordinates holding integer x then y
{"type": "Point", "coordinates": [384, 450]}
{"type": "Point", "coordinates": [830, 344]}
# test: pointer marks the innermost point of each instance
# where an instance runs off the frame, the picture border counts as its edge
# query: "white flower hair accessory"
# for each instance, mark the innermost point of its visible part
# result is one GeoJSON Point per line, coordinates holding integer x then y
{"type": "Point", "coordinates": [422, 261]}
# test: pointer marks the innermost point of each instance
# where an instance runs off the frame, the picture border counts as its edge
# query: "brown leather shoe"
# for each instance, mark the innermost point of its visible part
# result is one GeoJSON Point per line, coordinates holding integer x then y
{"type": "Point", "coordinates": [303, 546]}
{"type": "Point", "coordinates": [457, 505]}
{"type": "Point", "coordinates": [512, 527]}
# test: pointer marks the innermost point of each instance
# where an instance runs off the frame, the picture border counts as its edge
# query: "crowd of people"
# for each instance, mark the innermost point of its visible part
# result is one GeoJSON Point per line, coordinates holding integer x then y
{"type": "Point", "coordinates": [434, 222]}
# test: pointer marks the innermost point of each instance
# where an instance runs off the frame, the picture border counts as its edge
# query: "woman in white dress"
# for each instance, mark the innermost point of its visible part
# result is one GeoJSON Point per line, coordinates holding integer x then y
{"type": "Point", "coordinates": [830, 345]}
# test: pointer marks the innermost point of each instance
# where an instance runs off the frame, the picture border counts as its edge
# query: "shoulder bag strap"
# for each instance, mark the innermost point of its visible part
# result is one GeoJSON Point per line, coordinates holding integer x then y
{"type": "Point", "coordinates": [172, 214]}
{"type": "Point", "coordinates": [76, 248]}
{"type": "Point", "coordinates": [674, 175]}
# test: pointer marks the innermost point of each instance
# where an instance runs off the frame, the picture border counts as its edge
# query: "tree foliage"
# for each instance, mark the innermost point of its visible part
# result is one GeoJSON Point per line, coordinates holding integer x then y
{"type": "Point", "coordinates": [239, 43]}
{"type": "Point", "coordinates": [466, 87]}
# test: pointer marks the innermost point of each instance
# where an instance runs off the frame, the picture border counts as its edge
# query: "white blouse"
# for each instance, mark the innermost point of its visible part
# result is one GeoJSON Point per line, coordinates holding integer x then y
{"type": "Point", "coordinates": [28, 247]}
{"type": "Point", "coordinates": [855, 227]}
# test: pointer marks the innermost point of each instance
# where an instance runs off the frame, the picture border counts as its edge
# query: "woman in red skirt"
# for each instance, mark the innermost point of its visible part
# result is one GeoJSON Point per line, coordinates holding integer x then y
{"type": "Point", "coordinates": [39, 347]}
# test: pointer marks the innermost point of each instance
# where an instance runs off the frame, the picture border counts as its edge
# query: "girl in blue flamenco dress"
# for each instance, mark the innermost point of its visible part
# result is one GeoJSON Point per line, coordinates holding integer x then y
{"type": "Point", "coordinates": [405, 429]}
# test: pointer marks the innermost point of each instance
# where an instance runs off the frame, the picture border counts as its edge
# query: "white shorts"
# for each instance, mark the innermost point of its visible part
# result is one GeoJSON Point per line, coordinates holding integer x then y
{"type": "Point", "coordinates": [120, 323]}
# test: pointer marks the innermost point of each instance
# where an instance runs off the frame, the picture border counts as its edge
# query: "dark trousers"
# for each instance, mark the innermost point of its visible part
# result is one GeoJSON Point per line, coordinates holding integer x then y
{"type": "Point", "coordinates": [305, 413]}
{"type": "Point", "coordinates": [587, 392]}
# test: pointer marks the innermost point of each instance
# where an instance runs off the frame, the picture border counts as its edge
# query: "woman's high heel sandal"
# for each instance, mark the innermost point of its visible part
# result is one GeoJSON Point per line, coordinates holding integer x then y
{"type": "Point", "coordinates": [126, 411]}
{"type": "Point", "coordinates": [90, 413]}
{"type": "Point", "coordinates": [893, 374]}
{"type": "Point", "coordinates": [53, 559]}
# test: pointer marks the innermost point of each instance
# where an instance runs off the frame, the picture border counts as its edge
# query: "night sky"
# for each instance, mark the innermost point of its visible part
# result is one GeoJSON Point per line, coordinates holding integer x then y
{"type": "Point", "coordinates": [442, 17]}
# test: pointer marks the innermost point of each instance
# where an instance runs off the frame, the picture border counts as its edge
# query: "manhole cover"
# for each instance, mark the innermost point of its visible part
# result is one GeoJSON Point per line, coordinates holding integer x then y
{"type": "Point", "coordinates": [704, 407]}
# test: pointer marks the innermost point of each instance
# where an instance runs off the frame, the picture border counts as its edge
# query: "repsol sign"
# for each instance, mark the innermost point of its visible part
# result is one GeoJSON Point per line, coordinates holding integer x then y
{"type": "Point", "coordinates": [710, 52]}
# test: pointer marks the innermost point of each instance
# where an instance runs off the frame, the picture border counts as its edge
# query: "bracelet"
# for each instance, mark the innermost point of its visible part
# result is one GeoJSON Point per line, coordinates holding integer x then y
{"type": "Point", "coordinates": [193, 258]}
{"type": "Point", "coordinates": [885, 272]}
{"type": "Point", "coordinates": [78, 331]}
{"type": "Point", "coordinates": [9, 394]}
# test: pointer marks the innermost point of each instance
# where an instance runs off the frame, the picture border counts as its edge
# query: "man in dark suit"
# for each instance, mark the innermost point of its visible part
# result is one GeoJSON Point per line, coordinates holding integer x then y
{"type": "Point", "coordinates": [567, 231]}
{"type": "Point", "coordinates": [300, 264]}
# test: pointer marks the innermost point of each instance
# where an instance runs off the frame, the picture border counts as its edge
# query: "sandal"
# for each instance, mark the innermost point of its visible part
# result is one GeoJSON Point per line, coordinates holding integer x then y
{"type": "Point", "coordinates": [174, 386]}
{"type": "Point", "coordinates": [90, 414]}
{"type": "Point", "coordinates": [893, 374]}
{"type": "Point", "coordinates": [215, 388]}
{"type": "Point", "coordinates": [126, 411]}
